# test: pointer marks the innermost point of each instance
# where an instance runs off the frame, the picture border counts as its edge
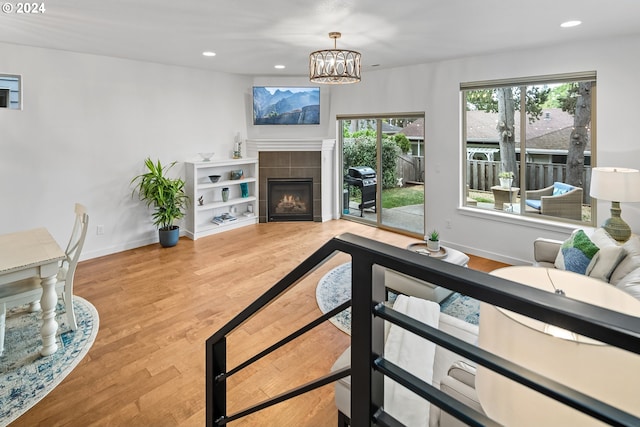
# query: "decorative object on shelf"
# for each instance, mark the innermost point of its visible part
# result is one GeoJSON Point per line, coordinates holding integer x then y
{"type": "Point", "coordinates": [506, 178]}
{"type": "Point", "coordinates": [214, 178]}
{"type": "Point", "coordinates": [334, 66]}
{"type": "Point", "coordinates": [237, 174]}
{"type": "Point", "coordinates": [244, 188]}
{"type": "Point", "coordinates": [167, 197]}
{"type": "Point", "coordinates": [433, 241]}
{"type": "Point", "coordinates": [206, 156]}
{"type": "Point", "coordinates": [201, 200]}
{"type": "Point", "coordinates": [617, 185]}
{"type": "Point", "coordinates": [250, 208]}
{"type": "Point", "coordinates": [223, 219]}
{"type": "Point", "coordinates": [225, 194]}
{"type": "Point", "coordinates": [237, 147]}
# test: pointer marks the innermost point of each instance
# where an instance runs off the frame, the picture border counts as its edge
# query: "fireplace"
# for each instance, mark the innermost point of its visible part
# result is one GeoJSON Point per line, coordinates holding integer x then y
{"type": "Point", "coordinates": [294, 158]}
{"type": "Point", "coordinates": [290, 199]}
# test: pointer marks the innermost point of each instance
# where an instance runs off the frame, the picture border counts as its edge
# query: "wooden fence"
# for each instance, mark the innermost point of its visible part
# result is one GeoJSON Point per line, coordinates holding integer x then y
{"type": "Point", "coordinates": [410, 168]}
{"type": "Point", "coordinates": [482, 175]}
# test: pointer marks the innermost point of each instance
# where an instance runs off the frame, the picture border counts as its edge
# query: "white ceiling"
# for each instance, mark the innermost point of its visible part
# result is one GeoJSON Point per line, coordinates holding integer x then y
{"type": "Point", "coordinates": [250, 37]}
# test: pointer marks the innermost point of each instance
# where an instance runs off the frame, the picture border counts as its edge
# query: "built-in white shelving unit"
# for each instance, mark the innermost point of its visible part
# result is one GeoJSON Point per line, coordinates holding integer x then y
{"type": "Point", "coordinates": [197, 184]}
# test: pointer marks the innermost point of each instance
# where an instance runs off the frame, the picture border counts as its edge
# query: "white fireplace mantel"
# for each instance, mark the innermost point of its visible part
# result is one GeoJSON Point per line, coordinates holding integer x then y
{"type": "Point", "coordinates": [254, 146]}
{"type": "Point", "coordinates": [329, 162]}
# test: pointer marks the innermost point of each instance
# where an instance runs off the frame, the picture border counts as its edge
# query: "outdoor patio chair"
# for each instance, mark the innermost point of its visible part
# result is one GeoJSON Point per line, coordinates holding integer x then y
{"type": "Point", "coordinates": [560, 199]}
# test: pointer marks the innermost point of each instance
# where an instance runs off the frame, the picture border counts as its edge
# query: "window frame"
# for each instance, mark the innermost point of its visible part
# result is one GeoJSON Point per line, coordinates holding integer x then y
{"type": "Point", "coordinates": [522, 83]}
{"type": "Point", "coordinates": [12, 91]}
{"type": "Point", "coordinates": [378, 117]}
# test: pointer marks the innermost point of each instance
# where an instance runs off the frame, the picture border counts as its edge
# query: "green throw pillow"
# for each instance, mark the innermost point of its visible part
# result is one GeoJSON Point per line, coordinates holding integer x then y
{"type": "Point", "coordinates": [576, 253]}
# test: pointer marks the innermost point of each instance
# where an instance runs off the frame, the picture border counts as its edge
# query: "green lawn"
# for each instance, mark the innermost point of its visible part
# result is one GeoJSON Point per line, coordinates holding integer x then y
{"type": "Point", "coordinates": [397, 197]}
{"type": "Point", "coordinates": [403, 196]}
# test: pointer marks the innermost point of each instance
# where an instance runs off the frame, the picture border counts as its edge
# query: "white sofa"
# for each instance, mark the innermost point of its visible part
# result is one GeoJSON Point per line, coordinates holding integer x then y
{"type": "Point", "coordinates": [624, 271]}
{"type": "Point", "coordinates": [451, 373]}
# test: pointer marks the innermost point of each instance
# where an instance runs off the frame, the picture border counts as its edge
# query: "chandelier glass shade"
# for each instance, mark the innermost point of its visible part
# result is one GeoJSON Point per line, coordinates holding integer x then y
{"type": "Point", "coordinates": [334, 66]}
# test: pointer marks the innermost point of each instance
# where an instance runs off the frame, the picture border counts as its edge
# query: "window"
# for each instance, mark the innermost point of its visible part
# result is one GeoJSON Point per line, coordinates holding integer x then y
{"type": "Point", "coordinates": [528, 145]}
{"type": "Point", "coordinates": [10, 88]}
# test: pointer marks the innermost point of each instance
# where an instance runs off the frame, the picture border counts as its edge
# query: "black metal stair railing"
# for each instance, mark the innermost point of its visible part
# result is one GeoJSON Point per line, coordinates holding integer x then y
{"type": "Point", "coordinates": [367, 335]}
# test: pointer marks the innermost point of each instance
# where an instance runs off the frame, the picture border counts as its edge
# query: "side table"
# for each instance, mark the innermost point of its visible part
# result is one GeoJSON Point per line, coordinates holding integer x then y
{"type": "Point", "coordinates": [408, 285]}
{"type": "Point", "coordinates": [504, 195]}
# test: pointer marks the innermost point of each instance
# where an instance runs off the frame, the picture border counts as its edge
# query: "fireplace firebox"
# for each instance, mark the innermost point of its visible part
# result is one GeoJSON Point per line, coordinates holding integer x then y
{"type": "Point", "coordinates": [290, 199]}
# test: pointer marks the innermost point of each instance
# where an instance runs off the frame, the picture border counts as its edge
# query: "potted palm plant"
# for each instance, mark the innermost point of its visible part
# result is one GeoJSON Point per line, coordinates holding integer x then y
{"type": "Point", "coordinates": [167, 197]}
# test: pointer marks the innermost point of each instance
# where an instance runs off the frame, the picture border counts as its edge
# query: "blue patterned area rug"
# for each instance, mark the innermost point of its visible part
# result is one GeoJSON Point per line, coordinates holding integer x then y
{"type": "Point", "coordinates": [334, 288]}
{"type": "Point", "coordinates": [26, 376]}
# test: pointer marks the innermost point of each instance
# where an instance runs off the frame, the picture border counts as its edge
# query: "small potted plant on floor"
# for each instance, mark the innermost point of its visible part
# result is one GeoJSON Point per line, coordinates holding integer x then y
{"type": "Point", "coordinates": [167, 197]}
{"type": "Point", "coordinates": [433, 242]}
{"type": "Point", "coordinates": [506, 178]}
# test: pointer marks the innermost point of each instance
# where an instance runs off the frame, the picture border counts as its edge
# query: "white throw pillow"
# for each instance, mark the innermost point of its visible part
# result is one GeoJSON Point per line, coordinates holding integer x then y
{"type": "Point", "coordinates": [609, 255]}
{"type": "Point", "coordinates": [630, 262]}
{"type": "Point", "coordinates": [631, 283]}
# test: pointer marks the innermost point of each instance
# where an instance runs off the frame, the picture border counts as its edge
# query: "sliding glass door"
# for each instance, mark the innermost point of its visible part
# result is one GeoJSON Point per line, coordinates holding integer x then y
{"type": "Point", "coordinates": [383, 170]}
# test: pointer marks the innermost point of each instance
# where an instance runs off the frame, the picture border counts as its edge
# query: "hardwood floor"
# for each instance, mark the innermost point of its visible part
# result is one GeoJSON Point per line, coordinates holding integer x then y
{"type": "Point", "coordinates": [158, 306]}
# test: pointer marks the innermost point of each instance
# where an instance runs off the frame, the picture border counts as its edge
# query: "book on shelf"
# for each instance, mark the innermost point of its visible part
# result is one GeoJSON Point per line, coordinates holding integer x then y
{"type": "Point", "coordinates": [223, 219]}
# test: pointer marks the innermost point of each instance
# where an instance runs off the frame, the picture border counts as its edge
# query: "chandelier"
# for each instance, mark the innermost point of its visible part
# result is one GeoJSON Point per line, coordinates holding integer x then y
{"type": "Point", "coordinates": [334, 66]}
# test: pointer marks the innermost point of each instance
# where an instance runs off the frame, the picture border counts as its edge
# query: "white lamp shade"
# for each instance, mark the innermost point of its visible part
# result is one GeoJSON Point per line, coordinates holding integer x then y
{"type": "Point", "coordinates": [604, 372]}
{"type": "Point", "coordinates": [615, 184]}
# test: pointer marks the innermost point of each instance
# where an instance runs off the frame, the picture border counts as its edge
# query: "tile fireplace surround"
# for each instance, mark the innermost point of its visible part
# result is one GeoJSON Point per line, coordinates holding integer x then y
{"type": "Point", "coordinates": [298, 158]}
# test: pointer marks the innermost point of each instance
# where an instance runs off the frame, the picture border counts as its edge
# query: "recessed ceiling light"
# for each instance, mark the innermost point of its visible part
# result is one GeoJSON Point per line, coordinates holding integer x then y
{"type": "Point", "coordinates": [570, 24]}
{"type": "Point", "coordinates": [279, 67]}
{"type": "Point", "coordinates": [208, 53]}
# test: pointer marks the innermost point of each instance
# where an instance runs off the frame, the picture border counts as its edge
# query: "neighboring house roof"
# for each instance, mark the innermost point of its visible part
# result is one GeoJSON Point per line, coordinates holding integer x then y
{"type": "Point", "coordinates": [551, 132]}
{"type": "Point", "coordinates": [414, 130]}
{"type": "Point", "coordinates": [387, 128]}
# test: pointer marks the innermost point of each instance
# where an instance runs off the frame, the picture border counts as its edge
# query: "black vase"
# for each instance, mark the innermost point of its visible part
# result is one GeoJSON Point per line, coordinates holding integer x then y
{"type": "Point", "coordinates": [169, 237]}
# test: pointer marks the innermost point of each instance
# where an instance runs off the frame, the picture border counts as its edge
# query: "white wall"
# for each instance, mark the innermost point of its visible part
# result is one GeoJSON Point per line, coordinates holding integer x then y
{"type": "Point", "coordinates": [88, 122]}
{"type": "Point", "coordinates": [86, 126]}
{"type": "Point", "coordinates": [434, 88]}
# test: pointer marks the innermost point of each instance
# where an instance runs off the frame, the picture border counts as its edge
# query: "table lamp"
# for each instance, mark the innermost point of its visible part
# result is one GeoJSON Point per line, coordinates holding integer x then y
{"type": "Point", "coordinates": [617, 185]}
{"type": "Point", "coordinates": [602, 371]}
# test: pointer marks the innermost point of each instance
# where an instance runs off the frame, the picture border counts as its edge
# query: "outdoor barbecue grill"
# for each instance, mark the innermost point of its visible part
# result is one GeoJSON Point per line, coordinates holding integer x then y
{"type": "Point", "coordinates": [364, 178]}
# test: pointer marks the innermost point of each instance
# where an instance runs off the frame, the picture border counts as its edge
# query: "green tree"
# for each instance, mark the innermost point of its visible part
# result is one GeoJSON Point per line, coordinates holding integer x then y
{"type": "Point", "coordinates": [506, 101]}
{"type": "Point", "coordinates": [577, 101]}
{"type": "Point", "coordinates": [360, 149]}
{"type": "Point", "coordinates": [403, 142]}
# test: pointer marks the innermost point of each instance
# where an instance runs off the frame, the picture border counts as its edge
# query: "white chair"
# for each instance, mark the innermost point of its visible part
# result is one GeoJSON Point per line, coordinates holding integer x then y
{"type": "Point", "coordinates": [29, 291]}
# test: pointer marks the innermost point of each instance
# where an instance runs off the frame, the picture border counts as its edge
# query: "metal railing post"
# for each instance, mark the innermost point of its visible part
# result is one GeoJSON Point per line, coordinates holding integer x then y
{"type": "Point", "coordinates": [367, 390]}
{"type": "Point", "coordinates": [217, 382]}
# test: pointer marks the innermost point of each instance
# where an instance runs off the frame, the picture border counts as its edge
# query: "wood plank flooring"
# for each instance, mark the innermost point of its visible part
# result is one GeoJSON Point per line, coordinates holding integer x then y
{"type": "Point", "coordinates": [158, 306]}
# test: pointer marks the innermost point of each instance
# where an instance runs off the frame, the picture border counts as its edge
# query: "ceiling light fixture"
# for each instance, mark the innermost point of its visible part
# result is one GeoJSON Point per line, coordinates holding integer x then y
{"type": "Point", "coordinates": [279, 67]}
{"type": "Point", "coordinates": [570, 24]}
{"type": "Point", "coordinates": [208, 53]}
{"type": "Point", "coordinates": [334, 66]}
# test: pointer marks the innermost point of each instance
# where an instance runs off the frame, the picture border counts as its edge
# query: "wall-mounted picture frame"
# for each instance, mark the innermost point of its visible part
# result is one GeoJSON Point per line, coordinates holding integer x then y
{"type": "Point", "coordinates": [288, 105]}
